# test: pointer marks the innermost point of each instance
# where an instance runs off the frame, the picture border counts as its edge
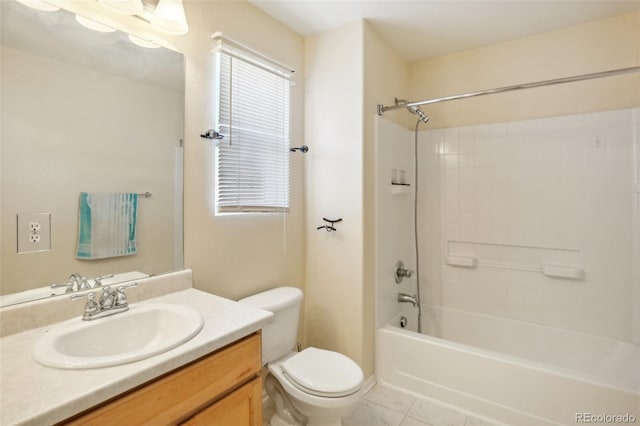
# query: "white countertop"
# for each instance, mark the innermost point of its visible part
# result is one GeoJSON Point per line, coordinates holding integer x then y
{"type": "Point", "coordinates": [32, 394]}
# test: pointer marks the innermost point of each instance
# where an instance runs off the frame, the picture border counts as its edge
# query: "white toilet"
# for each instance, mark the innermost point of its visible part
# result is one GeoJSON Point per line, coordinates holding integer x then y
{"type": "Point", "coordinates": [315, 387]}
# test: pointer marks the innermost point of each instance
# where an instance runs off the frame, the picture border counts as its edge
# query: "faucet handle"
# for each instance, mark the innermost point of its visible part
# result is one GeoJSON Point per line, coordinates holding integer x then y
{"type": "Point", "coordinates": [121, 297]}
{"type": "Point", "coordinates": [98, 280]}
{"type": "Point", "coordinates": [92, 305]}
{"type": "Point", "coordinates": [90, 295]}
{"type": "Point", "coordinates": [401, 272]}
{"type": "Point", "coordinates": [107, 298]}
{"type": "Point", "coordinates": [59, 285]}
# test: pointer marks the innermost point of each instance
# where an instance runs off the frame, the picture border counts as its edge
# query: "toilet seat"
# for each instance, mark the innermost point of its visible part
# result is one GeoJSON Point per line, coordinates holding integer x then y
{"type": "Point", "coordinates": [323, 373]}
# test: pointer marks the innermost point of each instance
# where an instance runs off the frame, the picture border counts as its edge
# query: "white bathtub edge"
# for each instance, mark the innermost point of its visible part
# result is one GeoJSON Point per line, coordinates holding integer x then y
{"type": "Point", "coordinates": [557, 409]}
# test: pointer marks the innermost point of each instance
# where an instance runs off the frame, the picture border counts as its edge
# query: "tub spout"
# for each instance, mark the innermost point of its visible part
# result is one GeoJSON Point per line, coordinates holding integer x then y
{"type": "Point", "coordinates": [404, 297]}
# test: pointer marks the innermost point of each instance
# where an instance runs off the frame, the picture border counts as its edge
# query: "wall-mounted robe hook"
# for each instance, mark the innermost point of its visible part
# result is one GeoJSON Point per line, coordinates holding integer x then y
{"type": "Point", "coordinates": [330, 227]}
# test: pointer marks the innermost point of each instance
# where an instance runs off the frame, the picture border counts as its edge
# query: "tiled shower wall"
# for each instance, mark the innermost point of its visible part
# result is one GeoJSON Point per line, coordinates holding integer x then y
{"type": "Point", "coordinates": [521, 194]}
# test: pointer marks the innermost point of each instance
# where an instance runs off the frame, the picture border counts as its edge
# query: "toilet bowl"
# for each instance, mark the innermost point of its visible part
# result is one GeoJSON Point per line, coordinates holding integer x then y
{"type": "Point", "coordinates": [315, 387]}
{"type": "Point", "coordinates": [321, 392]}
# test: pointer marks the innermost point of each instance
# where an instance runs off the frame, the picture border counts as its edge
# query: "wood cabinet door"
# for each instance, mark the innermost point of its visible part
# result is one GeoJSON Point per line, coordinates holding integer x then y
{"type": "Point", "coordinates": [242, 407]}
{"type": "Point", "coordinates": [177, 395]}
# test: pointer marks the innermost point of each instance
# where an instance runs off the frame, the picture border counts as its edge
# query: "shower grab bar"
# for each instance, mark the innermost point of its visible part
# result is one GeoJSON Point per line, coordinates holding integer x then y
{"type": "Point", "coordinates": [548, 269]}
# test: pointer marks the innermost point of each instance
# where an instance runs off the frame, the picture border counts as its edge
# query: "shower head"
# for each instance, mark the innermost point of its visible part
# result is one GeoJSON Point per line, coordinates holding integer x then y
{"type": "Point", "coordinates": [421, 115]}
{"type": "Point", "coordinates": [413, 110]}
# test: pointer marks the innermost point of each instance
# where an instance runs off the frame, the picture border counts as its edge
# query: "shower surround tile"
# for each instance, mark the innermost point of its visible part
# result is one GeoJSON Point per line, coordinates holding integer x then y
{"type": "Point", "coordinates": [550, 184]}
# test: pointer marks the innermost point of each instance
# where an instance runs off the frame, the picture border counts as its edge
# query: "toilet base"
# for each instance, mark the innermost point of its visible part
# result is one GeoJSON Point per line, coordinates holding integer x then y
{"type": "Point", "coordinates": [284, 413]}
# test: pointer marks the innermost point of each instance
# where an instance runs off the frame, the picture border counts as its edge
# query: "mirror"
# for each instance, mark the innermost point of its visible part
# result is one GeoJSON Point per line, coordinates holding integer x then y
{"type": "Point", "coordinates": [84, 111]}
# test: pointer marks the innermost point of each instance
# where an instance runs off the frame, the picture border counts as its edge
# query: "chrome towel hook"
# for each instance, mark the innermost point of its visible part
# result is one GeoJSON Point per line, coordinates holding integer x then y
{"type": "Point", "coordinates": [211, 134]}
{"type": "Point", "coordinates": [303, 149]}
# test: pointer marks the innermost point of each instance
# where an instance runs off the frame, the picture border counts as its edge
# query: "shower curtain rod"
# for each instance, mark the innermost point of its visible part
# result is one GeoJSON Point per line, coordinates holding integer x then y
{"type": "Point", "coordinates": [382, 109]}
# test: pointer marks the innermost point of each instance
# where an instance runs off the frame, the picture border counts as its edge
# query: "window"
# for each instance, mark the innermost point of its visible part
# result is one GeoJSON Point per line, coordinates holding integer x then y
{"type": "Point", "coordinates": [252, 159]}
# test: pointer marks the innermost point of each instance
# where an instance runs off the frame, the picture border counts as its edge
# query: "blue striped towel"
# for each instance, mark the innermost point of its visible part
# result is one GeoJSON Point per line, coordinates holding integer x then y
{"type": "Point", "coordinates": [107, 225]}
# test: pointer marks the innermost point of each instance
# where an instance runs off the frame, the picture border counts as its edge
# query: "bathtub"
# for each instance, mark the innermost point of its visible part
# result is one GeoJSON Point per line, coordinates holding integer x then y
{"type": "Point", "coordinates": [515, 372]}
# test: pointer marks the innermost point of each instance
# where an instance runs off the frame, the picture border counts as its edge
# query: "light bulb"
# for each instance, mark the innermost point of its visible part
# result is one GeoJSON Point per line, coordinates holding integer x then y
{"type": "Point", "coordinates": [39, 5]}
{"type": "Point", "coordinates": [129, 7]}
{"type": "Point", "coordinates": [170, 18]}
{"type": "Point", "coordinates": [93, 25]}
{"type": "Point", "coordinates": [142, 42]}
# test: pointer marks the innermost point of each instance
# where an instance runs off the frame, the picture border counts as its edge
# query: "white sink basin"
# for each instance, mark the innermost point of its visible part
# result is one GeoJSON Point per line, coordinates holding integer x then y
{"type": "Point", "coordinates": [143, 331]}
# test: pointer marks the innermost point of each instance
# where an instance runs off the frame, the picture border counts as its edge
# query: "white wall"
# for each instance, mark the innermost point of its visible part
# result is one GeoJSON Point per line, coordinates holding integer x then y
{"type": "Point", "coordinates": [49, 153]}
{"type": "Point", "coordinates": [519, 194]}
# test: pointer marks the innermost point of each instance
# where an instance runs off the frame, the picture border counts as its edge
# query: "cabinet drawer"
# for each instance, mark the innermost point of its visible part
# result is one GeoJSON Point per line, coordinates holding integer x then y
{"type": "Point", "coordinates": [183, 392]}
{"type": "Point", "coordinates": [242, 407]}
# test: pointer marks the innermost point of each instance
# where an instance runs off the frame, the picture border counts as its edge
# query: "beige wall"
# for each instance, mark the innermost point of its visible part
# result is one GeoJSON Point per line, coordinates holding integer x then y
{"type": "Point", "coordinates": [349, 71]}
{"type": "Point", "coordinates": [334, 165]}
{"type": "Point", "coordinates": [72, 136]}
{"type": "Point", "coordinates": [237, 255]}
{"type": "Point", "coordinates": [596, 46]}
{"type": "Point", "coordinates": [232, 256]}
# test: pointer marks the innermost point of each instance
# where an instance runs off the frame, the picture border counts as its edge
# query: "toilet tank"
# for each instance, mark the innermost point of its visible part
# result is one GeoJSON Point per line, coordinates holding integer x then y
{"type": "Point", "coordinates": [278, 337]}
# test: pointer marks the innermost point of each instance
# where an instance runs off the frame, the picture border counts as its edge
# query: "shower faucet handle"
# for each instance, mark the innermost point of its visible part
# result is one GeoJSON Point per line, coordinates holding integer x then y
{"type": "Point", "coordinates": [402, 272]}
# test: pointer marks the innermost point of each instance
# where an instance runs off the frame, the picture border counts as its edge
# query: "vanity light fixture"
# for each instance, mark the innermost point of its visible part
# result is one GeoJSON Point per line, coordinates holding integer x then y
{"type": "Point", "coordinates": [169, 17]}
{"type": "Point", "coordinates": [143, 43]}
{"type": "Point", "coordinates": [128, 7]}
{"type": "Point", "coordinates": [39, 5]}
{"type": "Point", "coordinates": [93, 25]}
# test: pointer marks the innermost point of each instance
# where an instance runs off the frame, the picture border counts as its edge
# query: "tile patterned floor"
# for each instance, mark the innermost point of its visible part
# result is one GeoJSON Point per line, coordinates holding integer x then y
{"type": "Point", "coordinates": [388, 407]}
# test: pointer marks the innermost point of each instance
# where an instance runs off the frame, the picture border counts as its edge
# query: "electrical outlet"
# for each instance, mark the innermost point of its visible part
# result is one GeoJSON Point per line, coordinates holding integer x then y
{"type": "Point", "coordinates": [33, 232]}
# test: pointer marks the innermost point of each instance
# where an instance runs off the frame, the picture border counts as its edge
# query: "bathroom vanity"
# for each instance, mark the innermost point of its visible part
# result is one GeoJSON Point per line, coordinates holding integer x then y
{"type": "Point", "coordinates": [213, 390]}
{"type": "Point", "coordinates": [212, 379]}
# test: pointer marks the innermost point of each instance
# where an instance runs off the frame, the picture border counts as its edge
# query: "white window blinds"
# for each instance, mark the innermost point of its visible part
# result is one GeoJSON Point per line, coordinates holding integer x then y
{"type": "Point", "coordinates": [252, 159]}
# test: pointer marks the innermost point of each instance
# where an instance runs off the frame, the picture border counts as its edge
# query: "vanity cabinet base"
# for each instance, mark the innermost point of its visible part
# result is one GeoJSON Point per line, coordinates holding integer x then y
{"type": "Point", "coordinates": [223, 388]}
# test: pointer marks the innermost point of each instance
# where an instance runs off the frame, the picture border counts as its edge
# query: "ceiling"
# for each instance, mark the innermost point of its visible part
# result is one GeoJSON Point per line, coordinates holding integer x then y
{"type": "Point", "coordinates": [422, 28]}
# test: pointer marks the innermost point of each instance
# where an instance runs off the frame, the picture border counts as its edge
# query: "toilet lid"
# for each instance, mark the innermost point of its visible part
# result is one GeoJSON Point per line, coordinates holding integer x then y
{"type": "Point", "coordinates": [323, 373]}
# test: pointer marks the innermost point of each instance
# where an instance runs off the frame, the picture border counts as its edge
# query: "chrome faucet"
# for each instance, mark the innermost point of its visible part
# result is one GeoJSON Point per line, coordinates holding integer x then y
{"type": "Point", "coordinates": [404, 297]}
{"type": "Point", "coordinates": [76, 282]}
{"type": "Point", "coordinates": [110, 303]}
